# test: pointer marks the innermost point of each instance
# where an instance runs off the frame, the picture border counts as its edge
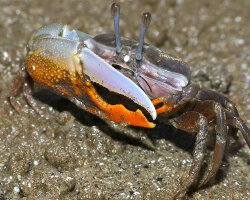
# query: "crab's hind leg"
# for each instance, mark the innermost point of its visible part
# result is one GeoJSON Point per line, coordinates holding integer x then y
{"type": "Point", "coordinates": [232, 114]}
{"type": "Point", "coordinates": [193, 122]}
{"type": "Point", "coordinates": [27, 92]}
{"type": "Point", "coordinates": [15, 91]}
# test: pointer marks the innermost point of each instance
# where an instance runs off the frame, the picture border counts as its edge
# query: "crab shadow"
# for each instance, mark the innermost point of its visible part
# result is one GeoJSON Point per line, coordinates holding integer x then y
{"type": "Point", "coordinates": [61, 104]}
{"type": "Point", "coordinates": [180, 139]}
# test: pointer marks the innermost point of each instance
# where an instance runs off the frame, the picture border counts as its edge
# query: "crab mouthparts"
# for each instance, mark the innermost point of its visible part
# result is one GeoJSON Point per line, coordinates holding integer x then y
{"type": "Point", "coordinates": [105, 75]}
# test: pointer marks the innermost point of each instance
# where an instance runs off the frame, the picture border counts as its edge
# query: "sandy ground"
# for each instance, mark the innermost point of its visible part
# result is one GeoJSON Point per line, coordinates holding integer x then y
{"type": "Point", "coordinates": [70, 154]}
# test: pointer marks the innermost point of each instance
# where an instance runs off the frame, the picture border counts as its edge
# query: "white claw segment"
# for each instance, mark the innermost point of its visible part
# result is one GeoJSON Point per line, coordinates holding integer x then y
{"type": "Point", "coordinates": [72, 35]}
{"type": "Point", "coordinates": [102, 73]}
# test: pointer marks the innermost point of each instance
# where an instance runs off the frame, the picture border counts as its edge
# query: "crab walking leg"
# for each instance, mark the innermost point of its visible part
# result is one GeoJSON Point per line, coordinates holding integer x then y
{"type": "Point", "coordinates": [244, 130]}
{"type": "Point", "coordinates": [221, 135]}
{"type": "Point", "coordinates": [15, 91]}
{"type": "Point", "coordinates": [224, 101]}
{"type": "Point", "coordinates": [232, 114]}
{"type": "Point", "coordinates": [192, 122]}
{"type": "Point", "coordinates": [238, 123]}
{"type": "Point", "coordinates": [23, 83]}
{"type": "Point", "coordinates": [27, 90]}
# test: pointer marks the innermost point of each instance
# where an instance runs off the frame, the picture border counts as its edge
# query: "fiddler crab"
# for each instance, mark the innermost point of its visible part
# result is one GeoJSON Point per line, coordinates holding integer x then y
{"type": "Point", "coordinates": [74, 64]}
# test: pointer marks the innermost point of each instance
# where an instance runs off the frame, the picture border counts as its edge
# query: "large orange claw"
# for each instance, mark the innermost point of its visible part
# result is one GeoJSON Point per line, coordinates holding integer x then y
{"type": "Point", "coordinates": [56, 63]}
{"type": "Point", "coordinates": [118, 113]}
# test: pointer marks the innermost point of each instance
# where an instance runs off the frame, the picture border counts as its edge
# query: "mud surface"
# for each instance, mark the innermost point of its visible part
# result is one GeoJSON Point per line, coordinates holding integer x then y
{"type": "Point", "coordinates": [70, 154]}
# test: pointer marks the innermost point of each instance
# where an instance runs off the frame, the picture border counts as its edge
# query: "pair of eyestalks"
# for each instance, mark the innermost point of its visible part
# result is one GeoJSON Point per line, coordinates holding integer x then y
{"type": "Point", "coordinates": [146, 19]}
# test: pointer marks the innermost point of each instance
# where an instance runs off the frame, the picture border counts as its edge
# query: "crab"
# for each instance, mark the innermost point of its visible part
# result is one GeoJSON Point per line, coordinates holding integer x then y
{"type": "Point", "coordinates": [74, 64]}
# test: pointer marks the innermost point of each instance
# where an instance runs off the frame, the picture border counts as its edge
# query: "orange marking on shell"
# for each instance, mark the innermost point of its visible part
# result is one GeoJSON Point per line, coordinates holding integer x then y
{"type": "Point", "coordinates": [118, 113]}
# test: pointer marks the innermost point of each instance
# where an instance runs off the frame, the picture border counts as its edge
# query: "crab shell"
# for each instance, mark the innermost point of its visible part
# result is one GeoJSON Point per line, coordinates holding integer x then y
{"type": "Point", "coordinates": [69, 61]}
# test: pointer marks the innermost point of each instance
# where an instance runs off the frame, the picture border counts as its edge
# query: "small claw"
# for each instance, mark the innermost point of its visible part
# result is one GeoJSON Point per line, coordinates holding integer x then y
{"type": "Point", "coordinates": [166, 106]}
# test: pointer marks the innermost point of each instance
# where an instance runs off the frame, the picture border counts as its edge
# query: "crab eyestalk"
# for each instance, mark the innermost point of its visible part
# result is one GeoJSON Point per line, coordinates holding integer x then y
{"type": "Point", "coordinates": [146, 19]}
{"type": "Point", "coordinates": [115, 11]}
